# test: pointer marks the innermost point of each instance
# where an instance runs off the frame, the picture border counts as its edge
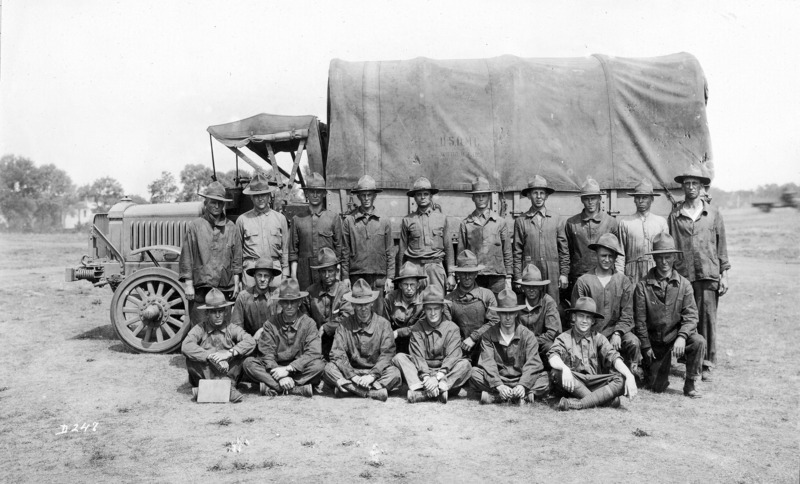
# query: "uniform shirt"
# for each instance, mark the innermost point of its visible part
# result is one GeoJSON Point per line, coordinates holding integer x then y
{"type": "Point", "coordinates": [705, 250]}
{"type": "Point", "coordinates": [423, 233]}
{"type": "Point", "coordinates": [265, 234]}
{"type": "Point", "coordinates": [252, 308]}
{"type": "Point", "coordinates": [296, 344]}
{"type": "Point", "coordinates": [591, 354]}
{"type": "Point", "coordinates": [311, 232]}
{"type": "Point", "coordinates": [664, 309]}
{"type": "Point", "coordinates": [543, 320]}
{"type": "Point", "coordinates": [519, 359]}
{"type": "Point", "coordinates": [402, 315]}
{"type": "Point", "coordinates": [363, 347]}
{"type": "Point", "coordinates": [367, 245]}
{"type": "Point", "coordinates": [539, 239]}
{"type": "Point", "coordinates": [435, 349]}
{"type": "Point", "coordinates": [582, 230]}
{"type": "Point", "coordinates": [470, 311]}
{"type": "Point", "coordinates": [211, 253]}
{"type": "Point", "coordinates": [636, 235]}
{"type": "Point", "coordinates": [328, 308]}
{"type": "Point", "coordinates": [205, 339]}
{"type": "Point", "coordinates": [486, 234]}
{"type": "Point", "coordinates": [614, 301]}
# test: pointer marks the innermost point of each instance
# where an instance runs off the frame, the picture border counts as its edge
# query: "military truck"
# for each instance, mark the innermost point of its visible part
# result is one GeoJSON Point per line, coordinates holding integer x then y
{"type": "Point", "coordinates": [617, 120]}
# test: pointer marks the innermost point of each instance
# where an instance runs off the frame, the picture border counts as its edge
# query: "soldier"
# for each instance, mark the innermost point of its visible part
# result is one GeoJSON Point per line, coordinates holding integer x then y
{"type": "Point", "coordinates": [423, 234]}
{"type": "Point", "coordinates": [699, 233]}
{"type": "Point", "coordinates": [367, 243]}
{"type": "Point", "coordinates": [403, 306]}
{"type": "Point", "coordinates": [539, 313]}
{"type": "Point", "coordinates": [363, 348]}
{"type": "Point", "coordinates": [264, 232]}
{"type": "Point", "coordinates": [211, 252]}
{"type": "Point", "coordinates": [434, 367]}
{"type": "Point", "coordinates": [254, 304]}
{"type": "Point", "coordinates": [613, 293]}
{"type": "Point", "coordinates": [666, 320]}
{"type": "Point", "coordinates": [215, 349]}
{"type": "Point", "coordinates": [485, 233]}
{"type": "Point", "coordinates": [469, 305]}
{"type": "Point", "coordinates": [313, 231]}
{"type": "Point", "coordinates": [636, 233]}
{"type": "Point", "coordinates": [539, 239]}
{"type": "Point", "coordinates": [510, 369]}
{"type": "Point", "coordinates": [326, 303]}
{"type": "Point", "coordinates": [291, 360]}
{"type": "Point", "coordinates": [583, 361]}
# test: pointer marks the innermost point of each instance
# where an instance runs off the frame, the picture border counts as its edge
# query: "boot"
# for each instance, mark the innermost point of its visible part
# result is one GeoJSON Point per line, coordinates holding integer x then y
{"type": "Point", "coordinates": [689, 390]}
{"type": "Point", "coordinates": [356, 390]}
{"type": "Point", "coordinates": [416, 396]}
{"type": "Point", "coordinates": [488, 398]}
{"type": "Point", "coordinates": [302, 390]}
{"type": "Point", "coordinates": [598, 398]}
{"type": "Point", "coordinates": [615, 403]}
{"type": "Point", "coordinates": [706, 376]}
{"type": "Point", "coordinates": [194, 393]}
{"type": "Point", "coordinates": [236, 395]}
{"type": "Point", "coordinates": [442, 396]}
{"type": "Point", "coordinates": [380, 395]}
{"type": "Point", "coordinates": [266, 391]}
{"type": "Point", "coordinates": [569, 404]}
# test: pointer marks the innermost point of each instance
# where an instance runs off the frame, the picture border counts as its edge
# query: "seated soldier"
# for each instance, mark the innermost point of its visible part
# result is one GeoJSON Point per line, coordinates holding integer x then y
{"type": "Point", "coordinates": [434, 366]}
{"type": "Point", "coordinates": [325, 303]}
{"type": "Point", "coordinates": [469, 305]}
{"type": "Point", "coordinates": [362, 352]}
{"type": "Point", "coordinates": [540, 311]}
{"type": "Point", "coordinates": [666, 318]}
{"type": "Point", "coordinates": [510, 369]}
{"type": "Point", "coordinates": [215, 349]}
{"type": "Point", "coordinates": [613, 294]}
{"type": "Point", "coordinates": [583, 360]}
{"type": "Point", "coordinates": [290, 361]}
{"type": "Point", "coordinates": [253, 305]}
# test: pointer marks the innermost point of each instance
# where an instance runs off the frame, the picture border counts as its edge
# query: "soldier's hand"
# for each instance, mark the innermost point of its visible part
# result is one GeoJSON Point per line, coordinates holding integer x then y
{"type": "Point", "coordinates": [388, 286]}
{"type": "Point", "coordinates": [563, 282]}
{"type": "Point", "coordinates": [279, 373]}
{"type": "Point", "coordinates": [219, 356]}
{"type": "Point", "coordinates": [189, 290]}
{"type": "Point", "coordinates": [723, 285]}
{"type": "Point", "coordinates": [367, 380]}
{"type": "Point", "coordinates": [430, 384]}
{"type": "Point", "coordinates": [679, 347]}
{"type": "Point", "coordinates": [518, 392]}
{"type": "Point", "coordinates": [286, 383]}
{"type": "Point", "coordinates": [395, 334]}
{"type": "Point", "coordinates": [649, 355]}
{"type": "Point", "coordinates": [236, 288]}
{"type": "Point", "coordinates": [505, 392]}
{"type": "Point", "coordinates": [567, 380]}
{"type": "Point", "coordinates": [616, 341]}
{"type": "Point", "coordinates": [630, 387]}
{"type": "Point", "coordinates": [467, 344]}
{"type": "Point", "coordinates": [451, 282]}
{"type": "Point", "coordinates": [508, 284]}
{"type": "Point", "coordinates": [321, 331]}
{"type": "Point", "coordinates": [258, 334]}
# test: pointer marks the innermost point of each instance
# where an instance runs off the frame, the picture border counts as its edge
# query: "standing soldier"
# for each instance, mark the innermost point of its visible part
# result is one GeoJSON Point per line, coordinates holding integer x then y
{"type": "Point", "coordinates": [699, 232]}
{"type": "Point", "coordinates": [367, 243]}
{"type": "Point", "coordinates": [539, 239]}
{"type": "Point", "coordinates": [311, 232]}
{"type": "Point", "coordinates": [637, 232]}
{"type": "Point", "coordinates": [264, 232]}
{"type": "Point", "coordinates": [485, 233]}
{"type": "Point", "coordinates": [326, 303]}
{"type": "Point", "coordinates": [423, 234]}
{"type": "Point", "coordinates": [211, 252]}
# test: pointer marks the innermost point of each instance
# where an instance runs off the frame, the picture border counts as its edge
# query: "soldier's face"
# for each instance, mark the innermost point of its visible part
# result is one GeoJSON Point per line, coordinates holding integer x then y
{"type": "Point", "coordinates": [217, 316]}
{"type": "Point", "coordinates": [434, 314]}
{"type": "Point", "coordinates": [691, 188]}
{"type": "Point", "coordinates": [328, 276]}
{"type": "Point", "coordinates": [591, 203]}
{"type": "Point", "coordinates": [537, 198]}
{"type": "Point", "coordinates": [664, 263]}
{"type": "Point", "coordinates": [508, 320]}
{"type": "Point", "coordinates": [363, 312]}
{"type": "Point", "coordinates": [261, 202]}
{"type": "Point", "coordinates": [605, 258]}
{"type": "Point", "coordinates": [582, 321]}
{"type": "Point", "coordinates": [409, 287]}
{"type": "Point", "coordinates": [315, 197]}
{"type": "Point", "coordinates": [423, 198]}
{"type": "Point", "coordinates": [214, 207]}
{"type": "Point", "coordinates": [481, 200]}
{"type": "Point", "coordinates": [366, 199]}
{"type": "Point", "coordinates": [532, 293]}
{"type": "Point", "coordinates": [262, 277]}
{"type": "Point", "coordinates": [642, 203]}
{"type": "Point", "coordinates": [290, 308]}
{"type": "Point", "coordinates": [467, 279]}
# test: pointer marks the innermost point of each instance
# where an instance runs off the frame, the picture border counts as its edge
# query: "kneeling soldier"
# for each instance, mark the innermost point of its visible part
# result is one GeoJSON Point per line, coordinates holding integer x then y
{"type": "Point", "coordinates": [363, 348]}
{"type": "Point", "coordinates": [215, 349]}
{"type": "Point", "coordinates": [326, 303]}
{"type": "Point", "coordinates": [291, 360]}
{"type": "Point", "coordinates": [540, 311]}
{"type": "Point", "coordinates": [666, 320]}
{"type": "Point", "coordinates": [434, 366]}
{"type": "Point", "coordinates": [582, 361]}
{"type": "Point", "coordinates": [255, 304]}
{"type": "Point", "coordinates": [509, 369]}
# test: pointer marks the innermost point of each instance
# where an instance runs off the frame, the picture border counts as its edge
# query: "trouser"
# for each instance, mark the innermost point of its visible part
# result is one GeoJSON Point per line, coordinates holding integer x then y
{"type": "Point", "coordinates": [401, 344]}
{"type": "Point", "coordinates": [544, 347]}
{"type": "Point", "coordinates": [390, 377]}
{"type": "Point", "coordinates": [480, 382]}
{"type": "Point", "coordinates": [434, 269]}
{"type": "Point", "coordinates": [585, 384]}
{"type": "Point", "coordinates": [327, 344]}
{"type": "Point", "coordinates": [197, 316]}
{"type": "Point", "coordinates": [376, 282]}
{"type": "Point", "coordinates": [630, 349]}
{"type": "Point", "coordinates": [492, 282]}
{"type": "Point", "coordinates": [455, 378]}
{"type": "Point", "coordinates": [658, 368]}
{"type": "Point", "coordinates": [706, 295]}
{"type": "Point", "coordinates": [257, 371]}
{"type": "Point", "coordinates": [565, 303]}
{"type": "Point", "coordinates": [204, 370]}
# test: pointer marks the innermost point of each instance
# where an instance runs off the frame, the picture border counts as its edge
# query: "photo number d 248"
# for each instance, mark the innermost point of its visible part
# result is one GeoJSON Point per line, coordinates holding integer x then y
{"type": "Point", "coordinates": [78, 428]}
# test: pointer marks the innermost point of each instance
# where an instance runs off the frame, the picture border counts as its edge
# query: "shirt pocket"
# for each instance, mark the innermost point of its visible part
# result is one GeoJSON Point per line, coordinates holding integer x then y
{"type": "Point", "coordinates": [415, 236]}
{"type": "Point", "coordinates": [326, 239]}
{"type": "Point", "coordinates": [250, 237]}
{"type": "Point", "coordinates": [276, 239]}
{"type": "Point", "coordinates": [438, 238]}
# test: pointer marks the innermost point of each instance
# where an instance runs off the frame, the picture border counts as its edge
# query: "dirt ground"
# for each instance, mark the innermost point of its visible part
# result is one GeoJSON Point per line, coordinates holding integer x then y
{"type": "Point", "coordinates": [63, 368]}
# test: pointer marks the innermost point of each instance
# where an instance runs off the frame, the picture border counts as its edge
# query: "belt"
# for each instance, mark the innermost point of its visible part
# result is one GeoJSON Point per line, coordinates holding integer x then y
{"type": "Point", "coordinates": [428, 260]}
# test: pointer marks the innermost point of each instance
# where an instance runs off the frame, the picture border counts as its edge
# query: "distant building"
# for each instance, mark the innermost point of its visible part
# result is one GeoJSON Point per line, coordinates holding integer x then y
{"type": "Point", "coordinates": [81, 213]}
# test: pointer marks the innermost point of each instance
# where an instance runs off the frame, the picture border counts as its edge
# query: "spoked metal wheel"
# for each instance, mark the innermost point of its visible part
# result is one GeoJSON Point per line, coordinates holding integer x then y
{"type": "Point", "coordinates": [150, 312]}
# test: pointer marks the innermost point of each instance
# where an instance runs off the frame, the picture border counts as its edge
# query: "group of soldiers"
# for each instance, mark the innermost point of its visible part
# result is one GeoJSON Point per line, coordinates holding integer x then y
{"type": "Point", "coordinates": [580, 308]}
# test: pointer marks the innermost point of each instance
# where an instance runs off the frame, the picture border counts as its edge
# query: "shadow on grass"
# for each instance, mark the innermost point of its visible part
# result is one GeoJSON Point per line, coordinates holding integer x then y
{"type": "Point", "coordinates": [178, 361]}
{"type": "Point", "coordinates": [184, 389]}
{"type": "Point", "coordinates": [121, 348]}
{"type": "Point", "coordinates": [101, 332]}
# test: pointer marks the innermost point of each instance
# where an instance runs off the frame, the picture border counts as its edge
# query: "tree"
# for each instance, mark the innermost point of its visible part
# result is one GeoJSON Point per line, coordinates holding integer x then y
{"type": "Point", "coordinates": [163, 189]}
{"type": "Point", "coordinates": [33, 198]}
{"type": "Point", "coordinates": [105, 192]}
{"type": "Point", "coordinates": [194, 178]}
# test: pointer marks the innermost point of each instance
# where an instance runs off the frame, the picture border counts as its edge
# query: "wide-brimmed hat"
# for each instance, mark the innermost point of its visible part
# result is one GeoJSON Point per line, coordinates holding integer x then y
{"type": "Point", "coordinates": [694, 171]}
{"type": "Point", "coordinates": [315, 182]}
{"type": "Point", "coordinates": [215, 299]}
{"type": "Point", "coordinates": [532, 276]}
{"type": "Point", "coordinates": [537, 182]}
{"type": "Point", "coordinates": [590, 188]}
{"type": "Point", "coordinates": [467, 261]}
{"type": "Point", "coordinates": [481, 185]}
{"type": "Point", "coordinates": [361, 293]}
{"type": "Point", "coordinates": [264, 264]}
{"type": "Point", "coordinates": [326, 257]}
{"type": "Point", "coordinates": [289, 290]}
{"type": "Point", "coordinates": [507, 302]}
{"type": "Point", "coordinates": [216, 191]}
{"type": "Point", "coordinates": [366, 184]}
{"type": "Point", "coordinates": [260, 184]}
{"type": "Point", "coordinates": [610, 242]}
{"type": "Point", "coordinates": [422, 184]}
{"type": "Point", "coordinates": [432, 295]}
{"type": "Point", "coordinates": [409, 270]}
{"type": "Point", "coordinates": [644, 188]}
{"type": "Point", "coordinates": [585, 305]}
{"type": "Point", "coordinates": [663, 243]}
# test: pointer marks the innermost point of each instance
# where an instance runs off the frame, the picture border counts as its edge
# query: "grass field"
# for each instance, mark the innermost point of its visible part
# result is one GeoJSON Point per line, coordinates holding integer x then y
{"type": "Point", "coordinates": [64, 367]}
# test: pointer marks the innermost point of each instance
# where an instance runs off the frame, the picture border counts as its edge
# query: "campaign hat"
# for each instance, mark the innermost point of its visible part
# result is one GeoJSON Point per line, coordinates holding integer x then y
{"type": "Point", "coordinates": [215, 299]}
{"type": "Point", "coordinates": [422, 184]}
{"type": "Point", "coordinates": [215, 191]}
{"type": "Point", "coordinates": [361, 293]}
{"type": "Point", "coordinates": [537, 181]}
{"type": "Point", "coordinates": [585, 305]}
{"type": "Point", "coordinates": [532, 276]}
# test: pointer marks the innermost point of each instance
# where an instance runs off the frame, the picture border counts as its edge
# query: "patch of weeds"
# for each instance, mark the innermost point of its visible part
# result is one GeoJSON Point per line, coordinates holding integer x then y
{"type": "Point", "coordinates": [89, 360]}
{"type": "Point", "coordinates": [124, 409]}
{"type": "Point", "coordinates": [350, 443]}
{"type": "Point", "coordinates": [99, 457]}
{"type": "Point", "coordinates": [97, 302]}
{"type": "Point", "coordinates": [512, 421]}
{"type": "Point", "coordinates": [308, 443]}
{"type": "Point", "coordinates": [223, 422]}
{"type": "Point", "coordinates": [399, 475]}
{"type": "Point", "coordinates": [366, 475]}
{"type": "Point", "coordinates": [3, 389]}
{"type": "Point", "coordinates": [375, 463]}
{"type": "Point", "coordinates": [249, 420]}
{"type": "Point", "coordinates": [242, 466]}
{"type": "Point", "coordinates": [269, 464]}
{"type": "Point", "coordinates": [640, 433]}
{"type": "Point", "coordinates": [215, 468]}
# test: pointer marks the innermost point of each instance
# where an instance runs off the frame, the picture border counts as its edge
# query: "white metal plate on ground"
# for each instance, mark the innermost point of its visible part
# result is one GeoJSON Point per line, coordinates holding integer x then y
{"type": "Point", "coordinates": [214, 391]}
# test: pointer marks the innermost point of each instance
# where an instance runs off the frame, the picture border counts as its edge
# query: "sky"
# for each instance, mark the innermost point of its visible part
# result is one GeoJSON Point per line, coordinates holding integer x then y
{"type": "Point", "coordinates": [127, 88]}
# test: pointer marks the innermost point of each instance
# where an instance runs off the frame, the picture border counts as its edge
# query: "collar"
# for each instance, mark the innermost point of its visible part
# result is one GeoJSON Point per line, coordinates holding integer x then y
{"type": "Point", "coordinates": [360, 214]}
{"type": "Point", "coordinates": [319, 214]}
{"type": "Point", "coordinates": [210, 328]}
{"type": "Point", "coordinates": [487, 213]}
{"type": "Point", "coordinates": [532, 212]}
{"type": "Point", "coordinates": [460, 292]}
{"type": "Point", "coordinates": [530, 308]}
{"type": "Point", "coordinates": [294, 324]}
{"type": "Point", "coordinates": [213, 221]}
{"type": "Point", "coordinates": [255, 293]}
{"type": "Point", "coordinates": [598, 217]}
{"type": "Point", "coordinates": [424, 212]}
{"type": "Point", "coordinates": [368, 329]}
{"type": "Point", "coordinates": [430, 329]}
{"type": "Point", "coordinates": [497, 336]}
{"type": "Point", "coordinates": [652, 277]}
{"type": "Point", "coordinates": [398, 300]}
{"type": "Point", "coordinates": [577, 336]}
{"type": "Point", "coordinates": [330, 292]}
{"type": "Point", "coordinates": [266, 211]}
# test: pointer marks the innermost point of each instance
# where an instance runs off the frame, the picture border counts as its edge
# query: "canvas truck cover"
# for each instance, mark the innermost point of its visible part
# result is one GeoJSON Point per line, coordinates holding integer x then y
{"type": "Point", "coordinates": [617, 120]}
